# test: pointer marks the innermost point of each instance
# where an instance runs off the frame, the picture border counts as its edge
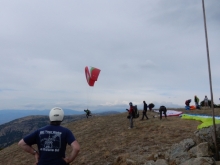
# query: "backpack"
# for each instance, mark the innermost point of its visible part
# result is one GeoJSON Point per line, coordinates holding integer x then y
{"type": "Point", "coordinates": [151, 105]}
{"type": "Point", "coordinates": [135, 112]}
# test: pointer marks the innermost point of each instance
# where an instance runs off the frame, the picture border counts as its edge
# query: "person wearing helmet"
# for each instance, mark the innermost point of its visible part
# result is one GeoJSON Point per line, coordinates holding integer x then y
{"type": "Point", "coordinates": [51, 141]}
{"type": "Point", "coordinates": [130, 115]}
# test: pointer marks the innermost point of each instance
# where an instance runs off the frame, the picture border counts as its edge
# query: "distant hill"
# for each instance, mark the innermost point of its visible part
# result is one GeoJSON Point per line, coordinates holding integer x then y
{"type": "Point", "coordinates": [9, 115]}
{"type": "Point", "coordinates": [14, 130]}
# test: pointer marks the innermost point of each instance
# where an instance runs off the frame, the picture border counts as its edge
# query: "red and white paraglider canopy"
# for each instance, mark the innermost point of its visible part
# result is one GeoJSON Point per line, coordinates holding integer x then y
{"type": "Point", "coordinates": [92, 75]}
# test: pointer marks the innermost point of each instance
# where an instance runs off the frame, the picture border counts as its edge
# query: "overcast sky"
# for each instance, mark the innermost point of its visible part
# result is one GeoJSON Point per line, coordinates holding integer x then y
{"type": "Point", "coordinates": [152, 50]}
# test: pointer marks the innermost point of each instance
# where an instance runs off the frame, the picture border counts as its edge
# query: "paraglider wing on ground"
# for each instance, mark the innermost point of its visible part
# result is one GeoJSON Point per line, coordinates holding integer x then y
{"type": "Point", "coordinates": [205, 119]}
{"type": "Point", "coordinates": [171, 112]}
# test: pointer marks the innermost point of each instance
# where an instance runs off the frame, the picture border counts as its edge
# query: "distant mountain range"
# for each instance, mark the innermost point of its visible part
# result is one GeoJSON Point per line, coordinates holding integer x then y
{"type": "Point", "coordinates": [14, 130]}
{"type": "Point", "coordinates": [9, 115]}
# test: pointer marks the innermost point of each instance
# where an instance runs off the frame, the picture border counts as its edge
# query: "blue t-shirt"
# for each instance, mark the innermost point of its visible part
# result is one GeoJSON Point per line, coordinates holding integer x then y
{"type": "Point", "coordinates": [51, 141]}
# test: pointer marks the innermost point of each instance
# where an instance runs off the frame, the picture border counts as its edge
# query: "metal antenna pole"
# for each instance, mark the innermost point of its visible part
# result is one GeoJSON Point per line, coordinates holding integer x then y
{"type": "Point", "coordinates": [210, 82]}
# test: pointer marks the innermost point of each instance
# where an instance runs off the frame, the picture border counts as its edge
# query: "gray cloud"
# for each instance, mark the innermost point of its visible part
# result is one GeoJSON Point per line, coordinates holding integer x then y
{"type": "Point", "coordinates": [146, 50]}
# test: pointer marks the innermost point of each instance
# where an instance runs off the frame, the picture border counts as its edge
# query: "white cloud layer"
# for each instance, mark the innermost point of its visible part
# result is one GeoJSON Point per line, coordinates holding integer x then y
{"type": "Point", "coordinates": [146, 50]}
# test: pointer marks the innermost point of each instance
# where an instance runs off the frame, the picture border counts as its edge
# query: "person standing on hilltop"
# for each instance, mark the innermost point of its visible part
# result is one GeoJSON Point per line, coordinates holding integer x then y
{"type": "Point", "coordinates": [130, 115]}
{"type": "Point", "coordinates": [196, 99]}
{"type": "Point", "coordinates": [144, 111]}
{"type": "Point", "coordinates": [206, 101]}
{"type": "Point", "coordinates": [51, 141]}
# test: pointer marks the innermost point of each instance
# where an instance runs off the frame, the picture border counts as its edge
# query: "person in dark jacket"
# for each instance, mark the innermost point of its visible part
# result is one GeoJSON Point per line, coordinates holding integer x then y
{"type": "Point", "coordinates": [187, 102]}
{"type": "Point", "coordinates": [88, 113]}
{"type": "Point", "coordinates": [163, 110]}
{"type": "Point", "coordinates": [144, 111]}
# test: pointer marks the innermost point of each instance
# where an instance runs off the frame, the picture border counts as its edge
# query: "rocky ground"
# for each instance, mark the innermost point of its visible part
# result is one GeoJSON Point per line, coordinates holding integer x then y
{"type": "Point", "coordinates": [106, 140]}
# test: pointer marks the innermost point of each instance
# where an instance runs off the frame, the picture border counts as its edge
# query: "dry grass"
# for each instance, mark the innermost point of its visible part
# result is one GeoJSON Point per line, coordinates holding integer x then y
{"type": "Point", "coordinates": [107, 140]}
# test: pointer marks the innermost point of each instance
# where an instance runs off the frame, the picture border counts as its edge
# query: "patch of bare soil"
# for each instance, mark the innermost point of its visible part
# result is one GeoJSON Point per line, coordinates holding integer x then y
{"type": "Point", "coordinates": [106, 140]}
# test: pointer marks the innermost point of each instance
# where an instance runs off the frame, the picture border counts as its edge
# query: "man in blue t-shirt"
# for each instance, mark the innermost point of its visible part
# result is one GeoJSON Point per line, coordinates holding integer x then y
{"type": "Point", "coordinates": [51, 141]}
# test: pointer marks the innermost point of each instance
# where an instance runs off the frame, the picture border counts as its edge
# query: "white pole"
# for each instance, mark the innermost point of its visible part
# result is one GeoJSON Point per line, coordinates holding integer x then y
{"type": "Point", "coordinates": [210, 82]}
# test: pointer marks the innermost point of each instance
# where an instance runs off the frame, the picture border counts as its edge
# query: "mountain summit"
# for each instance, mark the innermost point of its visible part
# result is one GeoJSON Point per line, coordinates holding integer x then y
{"type": "Point", "coordinates": [107, 139]}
